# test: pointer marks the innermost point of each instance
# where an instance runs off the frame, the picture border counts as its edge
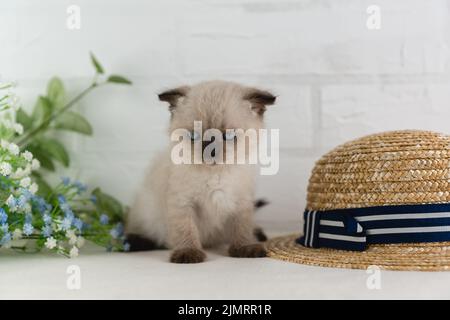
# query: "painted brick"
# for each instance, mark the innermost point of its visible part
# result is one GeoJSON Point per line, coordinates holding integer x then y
{"type": "Point", "coordinates": [355, 110]}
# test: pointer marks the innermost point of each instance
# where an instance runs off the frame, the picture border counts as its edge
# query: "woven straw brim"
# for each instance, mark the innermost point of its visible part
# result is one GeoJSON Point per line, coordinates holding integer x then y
{"type": "Point", "coordinates": [411, 256]}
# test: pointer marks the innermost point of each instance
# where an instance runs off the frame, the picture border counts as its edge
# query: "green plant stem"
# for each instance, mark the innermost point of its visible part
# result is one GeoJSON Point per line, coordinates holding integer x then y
{"type": "Point", "coordinates": [54, 116]}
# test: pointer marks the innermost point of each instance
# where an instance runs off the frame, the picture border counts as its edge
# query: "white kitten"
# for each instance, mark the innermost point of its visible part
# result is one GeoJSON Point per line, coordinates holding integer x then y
{"type": "Point", "coordinates": [186, 207]}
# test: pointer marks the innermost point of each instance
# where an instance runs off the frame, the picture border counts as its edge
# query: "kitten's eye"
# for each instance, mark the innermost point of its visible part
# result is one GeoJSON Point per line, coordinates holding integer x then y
{"type": "Point", "coordinates": [229, 135]}
{"type": "Point", "coordinates": [194, 135]}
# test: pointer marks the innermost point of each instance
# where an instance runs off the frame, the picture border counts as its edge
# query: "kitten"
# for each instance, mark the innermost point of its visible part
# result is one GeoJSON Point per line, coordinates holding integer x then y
{"type": "Point", "coordinates": [188, 207]}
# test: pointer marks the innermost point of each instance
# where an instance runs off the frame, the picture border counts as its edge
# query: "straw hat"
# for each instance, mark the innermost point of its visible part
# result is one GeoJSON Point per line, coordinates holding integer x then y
{"type": "Point", "coordinates": [381, 200]}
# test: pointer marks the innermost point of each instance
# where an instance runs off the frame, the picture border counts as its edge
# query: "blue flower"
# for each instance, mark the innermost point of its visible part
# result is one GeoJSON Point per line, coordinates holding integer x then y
{"type": "Point", "coordinates": [47, 219]}
{"type": "Point", "coordinates": [104, 219]}
{"type": "Point", "coordinates": [35, 198]}
{"type": "Point", "coordinates": [93, 199]}
{"type": "Point", "coordinates": [5, 239]}
{"type": "Point", "coordinates": [114, 233]}
{"type": "Point", "coordinates": [26, 193]}
{"type": "Point", "coordinates": [66, 223]}
{"type": "Point", "coordinates": [3, 216]}
{"type": "Point", "coordinates": [28, 229]}
{"type": "Point", "coordinates": [41, 205]}
{"type": "Point", "coordinates": [81, 187]}
{"type": "Point", "coordinates": [65, 181]}
{"type": "Point", "coordinates": [48, 207]}
{"type": "Point", "coordinates": [78, 223]}
{"type": "Point", "coordinates": [117, 231]}
{"type": "Point", "coordinates": [11, 202]}
{"type": "Point", "coordinates": [28, 218]}
{"type": "Point", "coordinates": [21, 201]}
{"type": "Point", "coordinates": [69, 214]}
{"type": "Point", "coordinates": [126, 247]}
{"type": "Point", "coordinates": [47, 231]}
{"type": "Point", "coordinates": [65, 207]}
{"type": "Point", "coordinates": [61, 199]}
{"type": "Point", "coordinates": [4, 227]}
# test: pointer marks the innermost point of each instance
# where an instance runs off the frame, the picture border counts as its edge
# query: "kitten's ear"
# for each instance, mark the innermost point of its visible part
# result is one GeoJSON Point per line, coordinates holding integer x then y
{"type": "Point", "coordinates": [172, 96]}
{"type": "Point", "coordinates": [259, 100]}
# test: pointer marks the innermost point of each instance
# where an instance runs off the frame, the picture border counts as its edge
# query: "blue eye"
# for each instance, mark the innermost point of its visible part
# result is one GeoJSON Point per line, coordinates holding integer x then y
{"type": "Point", "coordinates": [229, 135]}
{"type": "Point", "coordinates": [194, 135]}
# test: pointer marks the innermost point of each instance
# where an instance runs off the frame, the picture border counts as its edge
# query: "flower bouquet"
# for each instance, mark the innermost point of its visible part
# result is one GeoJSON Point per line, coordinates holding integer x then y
{"type": "Point", "coordinates": [33, 215]}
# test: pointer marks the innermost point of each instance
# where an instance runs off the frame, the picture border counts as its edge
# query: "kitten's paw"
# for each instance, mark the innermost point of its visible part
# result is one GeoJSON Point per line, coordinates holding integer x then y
{"type": "Point", "coordinates": [187, 255]}
{"type": "Point", "coordinates": [256, 250]}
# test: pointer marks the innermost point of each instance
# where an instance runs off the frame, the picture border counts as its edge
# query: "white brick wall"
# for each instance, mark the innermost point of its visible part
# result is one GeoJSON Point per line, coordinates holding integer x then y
{"type": "Point", "coordinates": [336, 80]}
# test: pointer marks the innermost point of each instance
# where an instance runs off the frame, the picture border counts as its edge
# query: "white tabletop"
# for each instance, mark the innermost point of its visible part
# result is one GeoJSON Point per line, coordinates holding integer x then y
{"type": "Point", "coordinates": [148, 275]}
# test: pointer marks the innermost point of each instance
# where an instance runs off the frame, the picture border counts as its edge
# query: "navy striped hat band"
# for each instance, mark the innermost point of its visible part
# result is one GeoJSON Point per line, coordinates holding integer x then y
{"type": "Point", "coordinates": [355, 229]}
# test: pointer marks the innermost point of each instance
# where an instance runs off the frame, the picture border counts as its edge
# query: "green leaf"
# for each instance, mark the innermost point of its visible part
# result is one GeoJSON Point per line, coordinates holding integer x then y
{"type": "Point", "coordinates": [42, 110]}
{"type": "Point", "coordinates": [4, 194]}
{"type": "Point", "coordinates": [24, 119]}
{"type": "Point", "coordinates": [109, 204]}
{"type": "Point", "coordinates": [96, 64]}
{"type": "Point", "coordinates": [55, 149]}
{"type": "Point", "coordinates": [74, 122]}
{"type": "Point", "coordinates": [56, 92]}
{"type": "Point", "coordinates": [44, 188]}
{"type": "Point", "coordinates": [118, 79]}
{"type": "Point", "coordinates": [41, 155]}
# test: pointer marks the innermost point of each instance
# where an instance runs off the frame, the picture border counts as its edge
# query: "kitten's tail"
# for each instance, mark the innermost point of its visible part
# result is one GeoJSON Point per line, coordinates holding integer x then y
{"type": "Point", "coordinates": [260, 203]}
{"type": "Point", "coordinates": [258, 232]}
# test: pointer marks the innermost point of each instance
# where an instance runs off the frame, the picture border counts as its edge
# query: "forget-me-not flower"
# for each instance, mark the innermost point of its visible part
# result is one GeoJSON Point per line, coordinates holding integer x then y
{"type": "Point", "coordinates": [78, 223]}
{"type": "Point", "coordinates": [28, 229]}
{"type": "Point", "coordinates": [117, 231]}
{"type": "Point", "coordinates": [4, 227]}
{"type": "Point", "coordinates": [47, 219]}
{"type": "Point", "coordinates": [11, 203]}
{"type": "Point", "coordinates": [5, 239]}
{"type": "Point", "coordinates": [80, 186]}
{"type": "Point", "coordinates": [3, 216]}
{"type": "Point", "coordinates": [65, 181]}
{"type": "Point", "coordinates": [61, 199]}
{"type": "Point", "coordinates": [47, 231]}
{"type": "Point", "coordinates": [104, 219]}
{"type": "Point", "coordinates": [66, 223]}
